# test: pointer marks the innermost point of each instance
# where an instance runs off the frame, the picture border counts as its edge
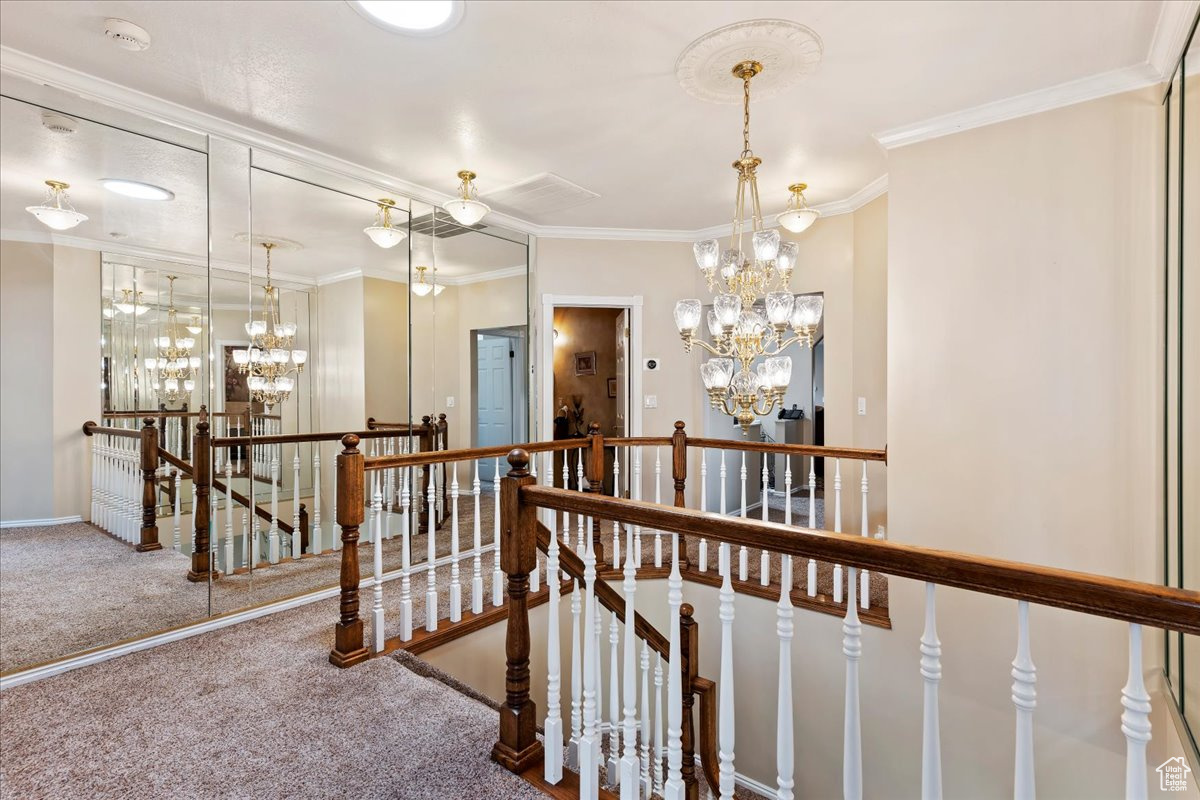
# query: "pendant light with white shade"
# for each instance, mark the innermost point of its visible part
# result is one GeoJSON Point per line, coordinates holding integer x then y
{"type": "Point", "coordinates": [421, 288]}
{"type": "Point", "coordinates": [383, 233]}
{"type": "Point", "coordinates": [56, 210]}
{"type": "Point", "coordinates": [798, 216]}
{"type": "Point", "coordinates": [466, 208]}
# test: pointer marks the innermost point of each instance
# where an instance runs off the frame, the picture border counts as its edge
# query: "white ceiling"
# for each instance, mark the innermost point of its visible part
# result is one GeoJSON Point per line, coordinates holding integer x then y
{"type": "Point", "coordinates": [586, 90]}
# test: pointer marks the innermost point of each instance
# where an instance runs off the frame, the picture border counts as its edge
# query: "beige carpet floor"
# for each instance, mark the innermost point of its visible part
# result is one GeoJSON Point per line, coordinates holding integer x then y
{"type": "Point", "coordinates": [254, 710]}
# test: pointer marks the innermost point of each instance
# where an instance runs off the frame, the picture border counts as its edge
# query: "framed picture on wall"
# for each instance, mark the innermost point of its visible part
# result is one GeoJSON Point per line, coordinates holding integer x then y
{"type": "Point", "coordinates": [585, 363]}
{"type": "Point", "coordinates": [612, 387]}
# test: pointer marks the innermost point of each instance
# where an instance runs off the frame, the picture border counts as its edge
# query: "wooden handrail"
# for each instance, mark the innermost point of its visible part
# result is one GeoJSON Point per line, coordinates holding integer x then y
{"type": "Point", "coordinates": [175, 461]}
{"type": "Point", "coordinates": [219, 485]}
{"type": "Point", "coordinates": [791, 449]}
{"type": "Point", "coordinates": [470, 454]}
{"type": "Point", "coordinates": [297, 438]}
{"type": "Point", "coordinates": [90, 428]}
{"type": "Point", "coordinates": [1115, 598]}
{"type": "Point", "coordinates": [632, 441]}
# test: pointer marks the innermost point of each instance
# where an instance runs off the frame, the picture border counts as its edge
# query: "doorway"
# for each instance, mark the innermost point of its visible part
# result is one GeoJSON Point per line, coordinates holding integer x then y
{"type": "Point", "coordinates": [498, 391]}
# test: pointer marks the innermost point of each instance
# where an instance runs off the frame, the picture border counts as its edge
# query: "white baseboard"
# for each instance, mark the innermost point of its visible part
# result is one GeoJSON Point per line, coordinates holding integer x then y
{"type": "Point", "coordinates": [749, 783]}
{"type": "Point", "coordinates": [37, 523]}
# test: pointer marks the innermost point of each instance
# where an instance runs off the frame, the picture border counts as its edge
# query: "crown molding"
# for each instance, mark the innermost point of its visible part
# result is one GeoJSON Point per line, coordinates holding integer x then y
{"type": "Point", "coordinates": [1064, 94]}
{"type": "Point", "coordinates": [483, 277]}
{"type": "Point", "coordinates": [1175, 20]}
{"type": "Point", "coordinates": [401, 277]}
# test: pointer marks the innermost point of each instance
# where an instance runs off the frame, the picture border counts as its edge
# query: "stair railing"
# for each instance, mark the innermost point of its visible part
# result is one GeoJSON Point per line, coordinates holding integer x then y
{"type": "Point", "coordinates": [1137, 604]}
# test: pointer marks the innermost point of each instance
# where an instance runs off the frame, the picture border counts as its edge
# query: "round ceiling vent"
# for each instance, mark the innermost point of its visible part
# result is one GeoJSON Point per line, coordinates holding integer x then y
{"type": "Point", "coordinates": [787, 50]}
{"type": "Point", "coordinates": [126, 34]}
{"type": "Point", "coordinates": [59, 123]}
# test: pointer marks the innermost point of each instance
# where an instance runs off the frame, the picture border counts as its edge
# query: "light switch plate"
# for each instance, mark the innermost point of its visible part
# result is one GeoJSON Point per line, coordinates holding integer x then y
{"type": "Point", "coordinates": [450, 403]}
{"type": "Point", "coordinates": [650, 401]}
{"type": "Point", "coordinates": [862, 406]}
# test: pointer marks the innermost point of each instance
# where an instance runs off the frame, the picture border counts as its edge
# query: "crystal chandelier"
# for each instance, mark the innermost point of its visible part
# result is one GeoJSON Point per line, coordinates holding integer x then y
{"type": "Point", "coordinates": [270, 360]}
{"type": "Point", "coordinates": [56, 210]}
{"type": "Point", "coordinates": [173, 372]}
{"type": "Point", "coordinates": [421, 288]}
{"type": "Point", "coordinates": [466, 208]}
{"type": "Point", "coordinates": [753, 307]}
{"type": "Point", "coordinates": [382, 232]}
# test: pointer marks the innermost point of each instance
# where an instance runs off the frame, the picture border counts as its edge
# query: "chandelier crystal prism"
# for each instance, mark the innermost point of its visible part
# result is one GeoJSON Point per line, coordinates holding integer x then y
{"type": "Point", "coordinates": [753, 307]}
{"type": "Point", "coordinates": [270, 361]}
{"type": "Point", "coordinates": [173, 372]}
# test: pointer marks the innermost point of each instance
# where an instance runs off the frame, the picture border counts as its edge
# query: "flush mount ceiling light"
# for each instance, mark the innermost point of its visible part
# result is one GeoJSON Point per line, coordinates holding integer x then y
{"type": "Point", "coordinates": [382, 233]}
{"type": "Point", "coordinates": [136, 189]}
{"type": "Point", "coordinates": [466, 209]}
{"type": "Point", "coordinates": [798, 216]}
{"type": "Point", "coordinates": [411, 17]}
{"type": "Point", "coordinates": [56, 211]}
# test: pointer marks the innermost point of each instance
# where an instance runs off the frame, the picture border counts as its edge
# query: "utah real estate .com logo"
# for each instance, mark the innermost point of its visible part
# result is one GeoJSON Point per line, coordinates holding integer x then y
{"type": "Point", "coordinates": [1173, 775]}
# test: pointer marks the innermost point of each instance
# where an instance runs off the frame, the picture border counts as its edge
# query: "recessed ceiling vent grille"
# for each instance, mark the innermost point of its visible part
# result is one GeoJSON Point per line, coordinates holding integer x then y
{"type": "Point", "coordinates": [540, 194]}
{"type": "Point", "coordinates": [443, 226]}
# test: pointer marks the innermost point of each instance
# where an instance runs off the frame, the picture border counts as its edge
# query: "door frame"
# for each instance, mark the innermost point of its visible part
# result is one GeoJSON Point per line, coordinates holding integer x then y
{"type": "Point", "coordinates": [519, 337]}
{"type": "Point", "coordinates": [545, 366]}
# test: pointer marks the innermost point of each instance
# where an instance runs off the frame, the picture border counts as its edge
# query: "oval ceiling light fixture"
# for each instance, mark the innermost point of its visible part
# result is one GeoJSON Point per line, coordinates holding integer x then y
{"type": "Point", "coordinates": [466, 208]}
{"type": "Point", "coordinates": [137, 189]}
{"type": "Point", "coordinates": [411, 17]}
{"type": "Point", "coordinates": [798, 216]}
{"type": "Point", "coordinates": [56, 210]}
{"type": "Point", "coordinates": [382, 232]}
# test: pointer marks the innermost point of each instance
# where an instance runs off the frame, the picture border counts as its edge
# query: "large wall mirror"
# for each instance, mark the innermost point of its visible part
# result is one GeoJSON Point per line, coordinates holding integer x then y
{"type": "Point", "coordinates": [105, 319]}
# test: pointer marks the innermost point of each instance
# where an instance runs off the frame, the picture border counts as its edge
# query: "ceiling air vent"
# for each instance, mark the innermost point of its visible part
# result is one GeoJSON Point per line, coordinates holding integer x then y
{"type": "Point", "coordinates": [59, 123]}
{"type": "Point", "coordinates": [127, 35]}
{"type": "Point", "coordinates": [540, 194]}
{"type": "Point", "coordinates": [441, 227]}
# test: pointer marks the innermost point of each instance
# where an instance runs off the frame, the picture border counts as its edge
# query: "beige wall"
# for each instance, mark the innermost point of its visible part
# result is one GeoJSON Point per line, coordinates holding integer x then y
{"type": "Point", "coordinates": [49, 378]}
{"type": "Point", "coordinates": [26, 410]}
{"type": "Point", "coordinates": [385, 323]}
{"type": "Point", "coordinates": [870, 347]}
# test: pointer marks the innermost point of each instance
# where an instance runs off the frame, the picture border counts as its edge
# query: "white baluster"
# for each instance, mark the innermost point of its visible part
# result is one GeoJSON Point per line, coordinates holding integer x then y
{"type": "Point", "coordinates": [743, 565]}
{"type": "Point", "coordinates": [431, 596]}
{"type": "Point", "coordinates": [837, 526]}
{"type": "Point", "coordinates": [455, 581]}
{"type": "Point", "coordinates": [273, 540]}
{"type": "Point", "coordinates": [725, 726]}
{"type": "Point", "coordinates": [658, 554]}
{"type": "Point", "coordinates": [635, 491]}
{"type": "Point", "coordinates": [178, 507]}
{"type": "Point", "coordinates": [576, 679]}
{"type": "Point", "coordinates": [377, 625]}
{"type": "Point", "coordinates": [865, 583]}
{"type": "Point", "coordinates": [931, 671]}
{"type": "Point", "coordinates": [645, 782]}
{"type": "Point", "coordinates": [296, 538]}
{"type": "Point", "coordinates": [497, 578]}
{"type": "Point", "coordinates": [228, 517]}
{"type": "Point", "coordinates": [95, 447]}
{"type": "Point", "coordinates": [811, 582]}
{"type": "Point", "coordinates": [613, 765]}
{"type": "Point", "coordinates": [703, 507]}
{"type": "Point", "coordinates": [477, 541]}
{"type": "Point", "coordinates": [1135, 720]}
{"type": "Point", "coordinates": [598, 629]}
{"type": "Point", "coordinates": [589, 750]}
{"type": "Point", "coordinates": [660, 749]}
{"type": "Point", "coordinates": [314, 537]}
{"type": "Point", "coordinates": [1024, 697]}
{"type": "Point", "coordinates": [406, 531]}
{"type": "Point", "coordinates": [616, 534]}
{"type": "Point", "coordinates": [566, 484]}
{"type": "Point", "coordinates": [674, 788]}
{"type": "Point", "coordinates": [852, 741]}
{"type": "Point", "coordinates": [535, 572]}
{"type": "Point", "coordinates": [784, 729]}
{"type": "Point", "coordinates": [389, 490]}
{"type": "Point", "coordinates": [552, 736]}
{"type": "Point", "coordinates": [245, 540]}
{"type": "Point", "coordinates": [764, 563]}
{"type": "Point", "coordinates": [630, 765]}
{"type": "Point", "coordinates": [579, 518]}
{"type": "Point", "coordinates": [256, 536]}
{"type": "Point", "coordinates": [335, 532]}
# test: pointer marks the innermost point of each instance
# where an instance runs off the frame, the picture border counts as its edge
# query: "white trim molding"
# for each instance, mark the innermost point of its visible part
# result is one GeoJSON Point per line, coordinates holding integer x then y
{"type": "Point", "coordinates": [1170, 34]}
{"type": "Point", "coordinates": [38, 523]}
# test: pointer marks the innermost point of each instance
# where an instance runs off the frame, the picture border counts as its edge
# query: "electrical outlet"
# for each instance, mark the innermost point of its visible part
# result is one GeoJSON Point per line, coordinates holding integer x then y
{"type": "Point", "coordinates": [449, 402]}
{"type": "Point", "coordinates": [650, 401]}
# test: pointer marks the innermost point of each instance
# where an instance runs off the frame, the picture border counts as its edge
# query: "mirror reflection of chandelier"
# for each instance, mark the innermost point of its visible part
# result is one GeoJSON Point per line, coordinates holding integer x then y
{"type": "Point", "coordinates": [270, 360]}
{"type": "Point", "coordinates": [753, 306]}
{"type": "Point", "coordinates": [421, 288]}
{"type": "Point", "coordinates": [173, 372]}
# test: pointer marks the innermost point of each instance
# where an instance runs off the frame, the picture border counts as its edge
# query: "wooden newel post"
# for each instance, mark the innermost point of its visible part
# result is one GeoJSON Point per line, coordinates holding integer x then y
{"type": "Point", "coordinates": [148, 540]}
{"type": "Point", "coordinates": [679, 476]}
{"type": "Point", "coordinates": [518, 746]}
{"type": "Point", "coordinates": [201, 478]}
{"type": "Point", "coordinates": [348, 647]}
{"type": "Point", "coordinates": [689, 649]}
{"type": "Point", "coordinates": [595, 479]}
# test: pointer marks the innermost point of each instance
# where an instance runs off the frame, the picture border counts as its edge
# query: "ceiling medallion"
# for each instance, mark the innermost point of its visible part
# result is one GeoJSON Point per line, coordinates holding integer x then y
{"type": "Point", "coordinates": [261, 240]}
{"type": "Point", "coordinates": [787, 51]}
